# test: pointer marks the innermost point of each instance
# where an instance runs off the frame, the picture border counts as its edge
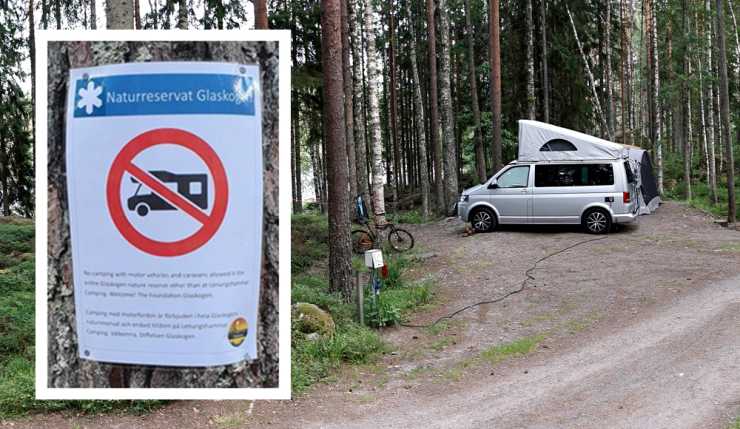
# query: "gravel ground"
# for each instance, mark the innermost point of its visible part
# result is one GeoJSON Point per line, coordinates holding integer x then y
{"type": "Point", "coordinates": [636, 330]}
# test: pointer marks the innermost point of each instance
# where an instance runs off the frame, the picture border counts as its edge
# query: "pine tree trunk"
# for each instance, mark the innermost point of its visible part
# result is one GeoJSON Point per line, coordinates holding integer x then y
{"type": "Point", "coordinates": [495, 47]}
{"type": "Point", "coordinates": [712, 165]}
{"type": "Point", "coordinates": [724, 108]}
{"type": "Point", "coordinates": [182, 14]}
{"type": "Point", "coordinates": [137, 15]}
{"type": "Point", "coordinates": [545, 74]}
{"type": "Point", "coordinates": [434, 109]}
{"type": "Point", "coordinates": [531, 105]}
{"type": "Point", "coordinates": [359, 102]}
{"type": "Point", "coordinates": [65, 367]}
{"type": "Point", "coordinates": [93, 15]}
{"type": "Point", "coordinates": [340, 255]}
{"type": "Point", "coordinates": [260, 15]}
{"type": "Point", "coordinates": [376, 142]}
{"type": "Point", "coordinates": [480, 161]}
{"type": "Point", "coordinates": [654, 90]}
{"type": "Point", "coordinates": [608, 69]}
{"type": "Point", "coordinates": [445, 101]}
{"type": "Point", "coordinates": [420, 125]}
{"type": "Point", "coordinates": [348, 103]}
{"type": "Point", "coordinates": [32, 55]}
{"type": "Point", "coordinates": [119, 14]}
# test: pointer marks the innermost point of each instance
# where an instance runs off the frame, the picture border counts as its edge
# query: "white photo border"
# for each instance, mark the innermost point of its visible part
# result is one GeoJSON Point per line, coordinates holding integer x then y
{"type": "Point", "coordinates": [43, 392]}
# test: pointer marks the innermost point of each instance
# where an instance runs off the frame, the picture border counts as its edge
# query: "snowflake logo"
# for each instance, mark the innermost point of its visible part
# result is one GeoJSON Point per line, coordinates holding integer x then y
{"type": "Point", "coordinates": [89, 97]}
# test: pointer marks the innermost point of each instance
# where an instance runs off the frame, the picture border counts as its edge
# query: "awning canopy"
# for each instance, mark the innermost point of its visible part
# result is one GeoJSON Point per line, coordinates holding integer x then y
{"type": "Point", "coordinates": [539, 141]}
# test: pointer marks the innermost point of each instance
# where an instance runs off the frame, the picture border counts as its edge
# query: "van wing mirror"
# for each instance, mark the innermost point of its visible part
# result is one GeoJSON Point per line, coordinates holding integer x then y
{"type": "Point", "coordinates": [493, 184]}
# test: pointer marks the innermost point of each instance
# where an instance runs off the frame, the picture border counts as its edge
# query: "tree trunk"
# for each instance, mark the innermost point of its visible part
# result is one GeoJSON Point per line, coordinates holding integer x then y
{"type": "Point", "coordinates": [531, 105]}
{"type": "Point", "coordinates": [93, 15]}
{"type": "Point", "coordinates": [686, 107]}
{"type": "Point", "coordinates": [119, 14]}
{"type": "Point", "coordinates": [65, 367]}
{"type": "Point", "coordinates": [137, 15]}
{"type": "Point", "coordinates": [182, 14]}
{"type": "Point", "coordinates": [712, 166]}
{"type": "Point", "coordinates": [376, 142]}
{"type": "Point", "coordinates": [724, 109]}
{"type": "Point", "coordinates": [545, 74]}
{"type": "Point", "coordinates": [624, 76]}
{"type": "Point", "coordinates": [32, 55]}
{"type": "Point", "coordinates": [608, 69]}
{"type": "Point", "coordinates": [434, 109]}
{"type": "Point", "coordinates": [348, 104]}
{"type": "Point", "coordinates": [495, 46]}
{"type": "Point", "coordinates": [260, 15]}
{"type": "Point", "coordinates": [296, 161]}
{"type": "Point", "coordinates": [420, 128]}
{"type": "Point", "coordinates": [480, 161]}
{"type": "Point", "coordinates": [445, 101]}
{"type": "Point", "coordinates": [359, 102]}
{"type": "Point", "coordinates": [396, 173]}
{"type": "Point", "coordinates": [340, 254]}
{"type": "Point", "coordinates": [654, 102]}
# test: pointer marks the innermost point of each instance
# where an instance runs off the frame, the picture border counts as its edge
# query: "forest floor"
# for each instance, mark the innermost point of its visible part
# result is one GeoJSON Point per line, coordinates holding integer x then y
{"type": "Point", "coordinates": [636, 330]}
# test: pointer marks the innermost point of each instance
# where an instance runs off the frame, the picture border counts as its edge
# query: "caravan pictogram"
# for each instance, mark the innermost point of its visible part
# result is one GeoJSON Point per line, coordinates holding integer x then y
{"type": "Point", "coordinates": [190, 196]}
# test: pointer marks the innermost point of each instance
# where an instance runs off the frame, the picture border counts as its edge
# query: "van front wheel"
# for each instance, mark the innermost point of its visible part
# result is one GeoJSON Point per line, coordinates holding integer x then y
{"type": "Point", "coordinates": [597, 221]}
{"type": "Point", "coordinates": [483, 220]}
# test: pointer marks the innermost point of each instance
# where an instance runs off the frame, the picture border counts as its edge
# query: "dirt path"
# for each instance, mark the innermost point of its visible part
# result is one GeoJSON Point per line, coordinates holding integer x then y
{"type": "Point", "coordinates": [637, 330]}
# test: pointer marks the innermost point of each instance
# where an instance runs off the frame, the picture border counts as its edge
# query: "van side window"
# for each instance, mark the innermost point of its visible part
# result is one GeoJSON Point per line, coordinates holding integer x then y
{"type": "Point", "coordinates": [630, 173]}
{"type": "Point", "coordinates": [573, 175]}
{"type": "Point", "coordinates": [515, 177]}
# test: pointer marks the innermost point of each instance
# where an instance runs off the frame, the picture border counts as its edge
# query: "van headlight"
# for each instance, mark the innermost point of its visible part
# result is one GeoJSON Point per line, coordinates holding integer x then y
{"type": "Point", "coordinates": [464, 198]}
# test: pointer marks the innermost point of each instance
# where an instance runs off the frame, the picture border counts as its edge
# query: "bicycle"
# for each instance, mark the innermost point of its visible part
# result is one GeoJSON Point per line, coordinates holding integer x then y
{"type": "Point", "coordinates": [366, 239]}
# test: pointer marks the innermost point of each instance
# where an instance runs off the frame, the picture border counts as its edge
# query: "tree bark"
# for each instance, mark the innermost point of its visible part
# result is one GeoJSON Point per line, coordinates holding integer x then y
{"type": "Point", "coordinates": [340, 256]}
{"type": "Point", "coordinates": [445, 101]}
{"type": "Point", "coordinates": [348, 103]}
{"type": "Point", "coordinates": [65, 367]}
{"type": "Point", "coordinates": [32, 55]}
{"type": "Point", "coordinates": [260, 15]}
{"type": "Point", "coordinates": [393, 72]}
{"type": "Point", "coordinates": [712, 166]}
{"type": "Point", "coordinates": [608, 69]}
{"type": "Point", "coordinates": [434, 109]}
{"type": "Point", "coordinates": [119, 14]}
{"type": "Point", "coordinates": [359, 102]}
{"type": "Point", "coordinates": [137, 15]}
{"type": "Point", "coordinates": [376, 142]}
{"type": "Point", "coordinates": [724, 109]}
{"type": "Point", "coordinates": [495, 47]}
{"type": "Point", "coordinates": [653, 100]}
{"type": "Point", "coordinates": [545, 74]}
{"type": "Point", "coordinates": [182, 14]}
{"type": "Point", "coordinates": [480, 161]}
{"type": "Point", "coordinates": [420, 128]}
{"type": "Point", "coordinates": [531, 105]}
{"type": "Point", "coordinates": [93, 15]}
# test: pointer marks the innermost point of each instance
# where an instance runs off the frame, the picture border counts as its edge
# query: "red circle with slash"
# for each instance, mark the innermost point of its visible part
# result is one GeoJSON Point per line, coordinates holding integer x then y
{"type": "Point", "coordinates": [123, 163]}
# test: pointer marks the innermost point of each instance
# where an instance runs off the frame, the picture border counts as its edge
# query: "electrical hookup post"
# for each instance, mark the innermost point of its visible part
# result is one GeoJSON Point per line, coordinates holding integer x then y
{"type": "Point", "coordinates": [164, 175]}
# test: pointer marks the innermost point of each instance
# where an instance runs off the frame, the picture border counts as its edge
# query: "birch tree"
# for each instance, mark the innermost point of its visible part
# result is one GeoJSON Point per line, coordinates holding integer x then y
{"type": "Point", "coordinates": [376, 143]}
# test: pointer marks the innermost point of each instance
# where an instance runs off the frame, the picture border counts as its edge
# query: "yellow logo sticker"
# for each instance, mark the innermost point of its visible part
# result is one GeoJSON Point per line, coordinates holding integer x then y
{"type": "Point", "coordinates": [238, 331]}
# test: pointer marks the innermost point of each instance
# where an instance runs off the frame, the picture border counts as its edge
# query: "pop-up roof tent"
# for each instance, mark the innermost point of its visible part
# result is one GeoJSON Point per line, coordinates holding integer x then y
{"type": "Point", "coordinates": [539, 141]}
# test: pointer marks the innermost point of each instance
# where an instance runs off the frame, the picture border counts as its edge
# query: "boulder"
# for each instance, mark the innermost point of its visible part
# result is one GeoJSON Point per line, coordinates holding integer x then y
{"type": "Point", "coordinates": [309, 318]}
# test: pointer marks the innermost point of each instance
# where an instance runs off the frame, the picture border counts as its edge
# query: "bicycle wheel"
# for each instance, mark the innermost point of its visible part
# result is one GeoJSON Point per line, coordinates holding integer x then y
{"type": "Point", "coordinates": [401, 240]}
{"type": "Point", "coordinates": [361, 241]}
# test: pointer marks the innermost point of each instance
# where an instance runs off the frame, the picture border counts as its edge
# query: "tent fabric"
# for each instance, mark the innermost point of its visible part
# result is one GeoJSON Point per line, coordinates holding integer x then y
{"type": "Point", "coordinates": [533, 135]}
{"type": "Point", "coordinates": [539, 141]}
{"type": "Point", "coordinates": [649, 196]}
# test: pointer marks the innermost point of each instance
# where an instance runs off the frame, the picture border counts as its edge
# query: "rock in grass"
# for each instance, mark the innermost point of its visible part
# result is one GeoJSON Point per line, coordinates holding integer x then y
{"type": "Point", "coordinates": [309, 318]}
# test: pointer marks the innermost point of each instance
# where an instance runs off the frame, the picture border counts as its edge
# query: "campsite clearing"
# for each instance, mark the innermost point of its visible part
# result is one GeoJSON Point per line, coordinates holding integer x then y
{"type": "Point", "coordinates": [635, 330]}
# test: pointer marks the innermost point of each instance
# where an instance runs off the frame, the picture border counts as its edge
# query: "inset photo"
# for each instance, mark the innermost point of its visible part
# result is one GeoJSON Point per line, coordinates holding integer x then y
{"type": "Point", "coordinates": [158, 212]}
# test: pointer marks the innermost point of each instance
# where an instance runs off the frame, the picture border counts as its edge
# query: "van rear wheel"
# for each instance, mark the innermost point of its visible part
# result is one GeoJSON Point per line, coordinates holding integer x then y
{"type": "Point", "coordinates": [597, 221]}
{"type": "Point", "coordinates": [483, 220]}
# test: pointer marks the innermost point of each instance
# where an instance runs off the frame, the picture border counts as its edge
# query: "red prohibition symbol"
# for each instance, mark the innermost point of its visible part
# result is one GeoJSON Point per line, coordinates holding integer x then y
{"type": "Point", "coordinates": [123, 163]}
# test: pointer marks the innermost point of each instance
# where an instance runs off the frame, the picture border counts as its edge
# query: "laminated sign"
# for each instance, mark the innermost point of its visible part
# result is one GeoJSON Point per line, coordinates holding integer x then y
{"type": "Point", "coordinates": [164, 173]}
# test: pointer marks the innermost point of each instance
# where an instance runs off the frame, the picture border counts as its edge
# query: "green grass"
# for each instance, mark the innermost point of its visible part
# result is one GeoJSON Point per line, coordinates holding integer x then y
{"type": "Point", "coordinates": [514, 348]}
{"type": "Point", "coordinates": [735, 424]}
{"type": "Point", "coordinates": [17, 333]}
{"type": "Point", "coordinates": [317, 360]}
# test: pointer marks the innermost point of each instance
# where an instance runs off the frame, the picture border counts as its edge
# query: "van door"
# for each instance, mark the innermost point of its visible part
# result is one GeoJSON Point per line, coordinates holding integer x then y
{"type": "Point", "coordinates": [512, 195]}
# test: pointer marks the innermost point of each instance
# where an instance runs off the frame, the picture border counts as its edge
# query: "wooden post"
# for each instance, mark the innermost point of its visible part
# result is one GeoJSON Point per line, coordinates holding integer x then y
{"type": "Point", "coordinates": [359, 295]}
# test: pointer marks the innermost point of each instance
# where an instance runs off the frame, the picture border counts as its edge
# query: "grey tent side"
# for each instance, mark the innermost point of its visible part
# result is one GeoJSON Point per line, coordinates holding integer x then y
{"type": "Point", "coordinates": [649, 196]}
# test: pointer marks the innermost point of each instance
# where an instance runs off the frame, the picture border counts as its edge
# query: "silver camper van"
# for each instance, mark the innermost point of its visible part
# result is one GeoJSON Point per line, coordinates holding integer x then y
{"type": "Point", "coordinates": [561, 177]}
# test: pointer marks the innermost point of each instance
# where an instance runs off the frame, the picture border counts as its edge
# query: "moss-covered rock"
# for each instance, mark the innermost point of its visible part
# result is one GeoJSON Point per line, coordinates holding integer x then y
{"type": "Point", "coordinates": [309, 318]}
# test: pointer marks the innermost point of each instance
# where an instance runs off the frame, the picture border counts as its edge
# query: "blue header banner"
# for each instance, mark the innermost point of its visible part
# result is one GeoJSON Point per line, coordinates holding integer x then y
{"type": "Point", "coordinates": [164, 94]}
